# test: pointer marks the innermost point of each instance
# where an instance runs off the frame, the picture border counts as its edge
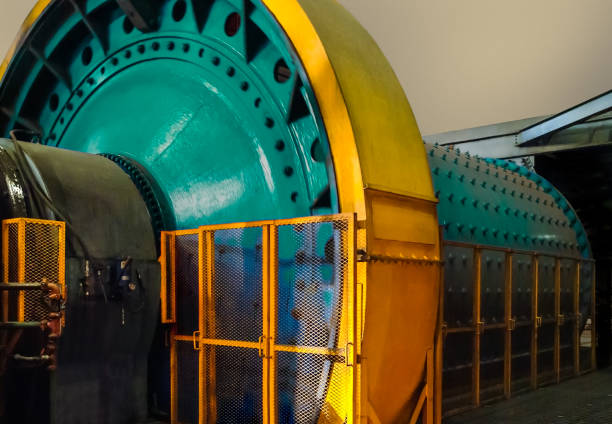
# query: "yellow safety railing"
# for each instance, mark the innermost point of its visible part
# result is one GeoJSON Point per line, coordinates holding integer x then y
{"type": "Point", "coordinates": [552, 311]}
{"type": "Point", "coordinates": [265, 316]}
{"type": "Point", "coordinates": [33, 251]}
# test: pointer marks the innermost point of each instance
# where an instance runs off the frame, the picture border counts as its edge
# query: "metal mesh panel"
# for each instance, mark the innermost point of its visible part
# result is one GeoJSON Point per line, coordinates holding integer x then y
{"type": "Point", "coordinates": [229, 275]}
{"type": "Point", "coordinates": [312, 268]}
{"type": "Point", "coordinates": [237, 288]}
{"type": "Point", "coordinates": [12, 262]}
{"type": "Point", "coordinates": [546, 353]}
{"type": "Point", "coordinates": [11, 269]}
{"type": "Point", "coordinates": [168, 289]}
{"type": "Point", "coordinates": [492, 364]}
{"type": "Point", "coordinates": [546, 288]}
{"type": "Point", "coordinates": [458, 283]}
{"type": "Point", "coordinates": [586, 323]}
{"type": "Point", "coordinates": [234, 381]}
{"type": "Point", "coordinates": [313, 294]}
{"type": "Point", "coordinates": [306, 392]}
{"type": "Point", "coordinates": [187, 284]}
{"type": "Point", "coordinates": [42, 261]}
{"type": "Point", "coordinates": [522, 281]}
{"type": "Point", "coordinates": [34, 252]}
{"type": "Point", "coordinates": [493, 287]}
{"type": "Point", "coordinates": [521, 357]}
{"type": "Point", "coordinates": [457, 366]}
{"type": "Point", "coordinates": [187, 379]}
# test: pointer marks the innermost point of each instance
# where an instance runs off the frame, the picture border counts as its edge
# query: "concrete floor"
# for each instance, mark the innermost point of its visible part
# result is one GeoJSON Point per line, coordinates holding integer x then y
{"type": "Point", "coordinates": [586, 399]}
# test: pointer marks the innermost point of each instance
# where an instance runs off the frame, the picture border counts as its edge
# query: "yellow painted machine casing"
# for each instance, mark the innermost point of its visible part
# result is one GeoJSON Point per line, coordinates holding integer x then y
{"type": "Point", "coordinates": [383, 176]}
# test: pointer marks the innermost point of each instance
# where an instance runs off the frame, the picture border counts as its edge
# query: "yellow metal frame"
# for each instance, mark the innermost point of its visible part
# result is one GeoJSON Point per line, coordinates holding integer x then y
{"type": "Point", "coordinates": [347, 70]}
{"type": "Point", "coordinates": [510, 323]}
{"type": "Point", "coordinates": [21, 261]}
{"type": "Point", "coordinates": [266, 345]}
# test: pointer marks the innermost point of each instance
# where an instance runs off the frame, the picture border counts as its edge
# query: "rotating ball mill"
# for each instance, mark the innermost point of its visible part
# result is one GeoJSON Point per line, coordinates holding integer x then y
{"type": "Point", "coordinates": [166, 115]}
{"type": "Point", "coordinates": [512, 214]}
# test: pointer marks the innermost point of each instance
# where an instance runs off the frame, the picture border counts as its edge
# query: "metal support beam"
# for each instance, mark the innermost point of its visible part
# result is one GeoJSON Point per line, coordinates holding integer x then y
{"type": "Point", "coordinates": [575, 115]}
{"type": "Point", "coordinates": [572, 129]}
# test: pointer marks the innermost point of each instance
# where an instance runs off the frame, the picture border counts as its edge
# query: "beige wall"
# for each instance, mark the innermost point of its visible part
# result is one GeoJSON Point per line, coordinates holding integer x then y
{"type": "Point", "coordinates": [465, 63]}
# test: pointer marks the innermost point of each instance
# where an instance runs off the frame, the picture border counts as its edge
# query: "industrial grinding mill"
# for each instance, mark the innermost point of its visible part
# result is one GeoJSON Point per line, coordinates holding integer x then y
{"type": "Point", "coordinates": [155, 125]}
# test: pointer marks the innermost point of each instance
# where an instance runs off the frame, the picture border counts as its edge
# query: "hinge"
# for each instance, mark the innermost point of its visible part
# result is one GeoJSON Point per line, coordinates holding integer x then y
{"type": "Point", "coordinates": [196, 340]}
{"type": "Point", "coordinates": [511, 325]}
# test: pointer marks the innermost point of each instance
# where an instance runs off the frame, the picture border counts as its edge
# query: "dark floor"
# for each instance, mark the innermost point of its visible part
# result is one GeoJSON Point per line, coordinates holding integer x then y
{"type": "Point", "coordinates": [586, 399]}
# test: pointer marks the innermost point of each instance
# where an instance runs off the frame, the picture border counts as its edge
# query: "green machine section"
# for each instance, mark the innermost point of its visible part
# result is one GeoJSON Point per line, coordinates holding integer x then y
{"type": "Point", "coordinates": [205, 105]}
{"type": "Point", "coordinates": [498, 203]}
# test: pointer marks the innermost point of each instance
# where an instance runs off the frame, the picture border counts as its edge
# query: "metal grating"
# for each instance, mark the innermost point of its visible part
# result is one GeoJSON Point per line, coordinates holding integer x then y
{"type": "Point", "coordinates": [513, 320]}
{"type": "Point", "coordinates": [187, 379]}
{"type": "Point", "coordinates": [168, 301]}
{"type": "Point", "coordinates": [237, 289]}
{"type": "Point", "coordinates": [33, 251]}
{"type": "Point", "coordinates": [186, 262]}
{"type": "Point", "coordinates": [233, 381]}
{"type": "Point", "coordinates": [265, 321]}
{"type": "Point", "coordinates": [314, 321]}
